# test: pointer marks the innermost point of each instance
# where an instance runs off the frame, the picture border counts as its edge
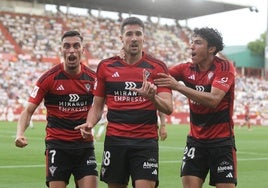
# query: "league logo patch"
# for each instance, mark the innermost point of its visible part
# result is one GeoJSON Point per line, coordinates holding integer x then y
{"type": "Point", "coordinates": [34, 91]}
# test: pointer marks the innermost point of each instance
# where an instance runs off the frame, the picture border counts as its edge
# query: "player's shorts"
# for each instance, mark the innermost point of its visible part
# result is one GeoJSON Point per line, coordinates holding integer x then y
{"type": "Point", "coordinates": [61, 163]}
{"type": "Point", "coordinates": [121, 162]}
{"type": "Point", "coordinates": [219, 161]}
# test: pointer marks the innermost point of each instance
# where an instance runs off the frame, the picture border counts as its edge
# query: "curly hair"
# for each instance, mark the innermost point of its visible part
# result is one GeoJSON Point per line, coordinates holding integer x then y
{"type": "Point", "coordinates": [212, 36]}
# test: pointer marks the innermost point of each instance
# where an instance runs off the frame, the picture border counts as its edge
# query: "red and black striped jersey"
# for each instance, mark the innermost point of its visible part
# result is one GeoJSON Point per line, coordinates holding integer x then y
{"type": "Point", "coordinates": [67, 99]}
{"type": "Point", "coordinates": [207, 124]}
{"type": "Point", "coordinates": [129, 114]}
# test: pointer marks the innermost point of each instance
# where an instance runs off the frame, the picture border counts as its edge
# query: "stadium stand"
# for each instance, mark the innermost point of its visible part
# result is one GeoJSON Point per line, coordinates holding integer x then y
{"type": "Point", "coordinates": [29, 46]}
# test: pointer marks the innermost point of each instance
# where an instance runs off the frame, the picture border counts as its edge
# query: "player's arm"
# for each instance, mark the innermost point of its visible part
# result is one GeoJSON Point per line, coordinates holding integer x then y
{"type": "Point", "coordinates": [23, 123]}
{"type": "Point", "coordinates": [163, 102]}
{"type": "Point", "coordinates": [162, 126]}
{"type": "Point", "coordinates": [96, 111]}
{"type": "Point", "coordinates": [209, 99]}
{"type": "Point", "coordinates": [93, 116]}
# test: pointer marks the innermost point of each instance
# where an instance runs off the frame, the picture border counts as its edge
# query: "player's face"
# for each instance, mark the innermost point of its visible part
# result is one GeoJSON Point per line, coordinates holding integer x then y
{"type": "Point", "coordinates": [200, 51]}
{"type": "Point", "coordinates": [72, 51]}
{"type": "Point", "coordinates": [132, 39]}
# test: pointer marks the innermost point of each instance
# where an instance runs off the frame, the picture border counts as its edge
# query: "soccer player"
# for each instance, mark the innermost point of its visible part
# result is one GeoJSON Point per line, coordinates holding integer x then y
{"type": "Point", "coordinates": [246, 117]}
{"type": "Point", "coordinates": [209, 85]}
{"type": "Point", "coordinates": [126, 86]}
{"type": "Point", "coordinates": [67, 92]}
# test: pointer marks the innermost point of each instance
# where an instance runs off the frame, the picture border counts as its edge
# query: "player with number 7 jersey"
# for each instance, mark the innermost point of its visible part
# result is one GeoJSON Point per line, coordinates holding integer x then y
{"type": "Point", "coordinates": [66, 90]}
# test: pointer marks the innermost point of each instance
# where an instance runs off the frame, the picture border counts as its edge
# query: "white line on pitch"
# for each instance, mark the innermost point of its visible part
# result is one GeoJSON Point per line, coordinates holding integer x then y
{"type": "Point", "coordinates": [41, 166]}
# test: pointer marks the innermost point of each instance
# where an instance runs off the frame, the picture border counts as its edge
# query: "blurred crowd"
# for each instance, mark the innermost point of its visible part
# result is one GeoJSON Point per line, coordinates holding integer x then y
{"type": "Point", "coordinates": [29, 42]}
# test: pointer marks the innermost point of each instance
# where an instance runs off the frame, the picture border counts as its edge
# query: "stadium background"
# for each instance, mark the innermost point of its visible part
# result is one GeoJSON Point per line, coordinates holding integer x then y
{"type": "Point", "coordinates": [29, 41]}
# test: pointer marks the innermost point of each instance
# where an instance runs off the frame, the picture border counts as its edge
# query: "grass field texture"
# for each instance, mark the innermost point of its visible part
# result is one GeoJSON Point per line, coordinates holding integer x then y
{"type": "Point", "coordinates": [24, 168]}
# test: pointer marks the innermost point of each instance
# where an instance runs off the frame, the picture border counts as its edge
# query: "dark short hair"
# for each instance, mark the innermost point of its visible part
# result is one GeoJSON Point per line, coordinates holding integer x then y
{"type": "Point", "coordinates": [212, 36]}
{"type": "Point", "coordinates": [131, 21]}
{"type": "Point", "coordinates": [71, 34]}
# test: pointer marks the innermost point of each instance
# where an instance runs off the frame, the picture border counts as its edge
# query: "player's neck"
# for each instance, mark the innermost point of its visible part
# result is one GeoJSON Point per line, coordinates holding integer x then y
{"type": "Point", "coordinates": [73, 72]}
{"type": "Point", "coordinates": [132, 59]}
{"type": "Point", "coordinates": [206, 64]}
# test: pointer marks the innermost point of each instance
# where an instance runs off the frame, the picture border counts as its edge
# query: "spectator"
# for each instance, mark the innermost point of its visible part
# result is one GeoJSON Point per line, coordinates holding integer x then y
{"type": "Point", "coordinates": [246, 117]}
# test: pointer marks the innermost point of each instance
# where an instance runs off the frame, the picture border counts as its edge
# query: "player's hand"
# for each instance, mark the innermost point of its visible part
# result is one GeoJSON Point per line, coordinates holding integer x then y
{"type": "Point", "coordinates": [163, 133]}
{"type": "Point", "coordinates": [21, 142]}
{"type": "Point", "coordinates": [166, 80]}
{"type": "Point", "coordinates": [147, 89]}
{"type": "Point", "coordinates": [85, 129]}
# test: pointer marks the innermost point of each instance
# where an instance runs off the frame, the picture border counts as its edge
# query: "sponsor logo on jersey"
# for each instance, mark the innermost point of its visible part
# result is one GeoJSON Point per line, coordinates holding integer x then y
{"type": "Point", "coordinates": [154, 172]}
{"type": "Point", "coordinates": [60, 88]}
{"type": "Point", "coordinates": [224, 80]}
{"type": "Point", "coordinates": [73, 97]}
{"type": "Point", "coordinates": [115, 75]}
{"type": "Point", "coordinates": [73, 104]}
{"type": "Point", "coordinates": [192, 77]}
{"type": "Point", "coordinates": [150, 165]}
{"type": "Point", "coordinates": [91, 161]}
{"type": "Point", "coordinates": [230, 175]}
{"type": "Point", "coordinates": [130, 85]}
{"type": "Point", "coordinates": [199, 88]}
{"type": "Point", "coordinates": [224, 167]}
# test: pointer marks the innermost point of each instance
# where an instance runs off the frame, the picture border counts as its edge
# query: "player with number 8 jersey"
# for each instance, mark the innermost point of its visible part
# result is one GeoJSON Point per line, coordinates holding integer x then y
{"type": "Point", "coordinates": [126, 85]}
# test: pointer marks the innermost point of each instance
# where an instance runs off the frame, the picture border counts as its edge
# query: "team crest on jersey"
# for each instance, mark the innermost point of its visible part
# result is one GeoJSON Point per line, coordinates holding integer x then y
{"type": "Point", "coordinates": [210, 74]}
{"type": "Point", "coordinates": [147, 74]}
{"type": "Point", "coordinates": [52, 170]}
{"type": "Point", "coordinates": [103, 170]}
{"type": "Point", "coordinates": [87, 86]}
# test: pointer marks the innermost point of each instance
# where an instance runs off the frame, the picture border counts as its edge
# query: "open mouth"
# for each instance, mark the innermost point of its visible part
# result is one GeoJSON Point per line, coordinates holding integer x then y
{"type": "Point", "coordinates": [72, 58]}
{"type": "Point", "coordinates": [134, 45]}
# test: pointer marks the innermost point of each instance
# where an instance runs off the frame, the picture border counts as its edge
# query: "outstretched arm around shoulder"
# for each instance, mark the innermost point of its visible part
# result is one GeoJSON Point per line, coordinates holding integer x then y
{"type": "Point", "coordinates": [94, 115]}
{"type": "Point", "coordinates": [210, 99]}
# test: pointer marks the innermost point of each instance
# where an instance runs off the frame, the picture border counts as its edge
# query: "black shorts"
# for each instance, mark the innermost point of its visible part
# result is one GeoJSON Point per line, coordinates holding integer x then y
{"type": "Point", "coordinates": [121, 162]}
{"type": "Point", "coordinates": [219, 161]}
{"type": "Point", "coordinates": [61, 163]}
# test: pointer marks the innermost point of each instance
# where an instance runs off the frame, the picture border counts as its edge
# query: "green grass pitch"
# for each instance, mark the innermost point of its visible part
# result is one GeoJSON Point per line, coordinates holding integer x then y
{"type": "Point", "coordinates": [25, 167]}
